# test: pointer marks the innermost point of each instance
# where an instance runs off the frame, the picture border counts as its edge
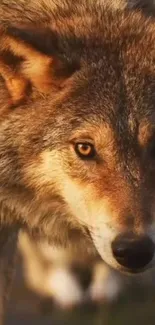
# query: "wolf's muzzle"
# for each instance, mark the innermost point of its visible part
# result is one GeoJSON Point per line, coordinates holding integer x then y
{"type": "Point", "coordinates": [133, 252]}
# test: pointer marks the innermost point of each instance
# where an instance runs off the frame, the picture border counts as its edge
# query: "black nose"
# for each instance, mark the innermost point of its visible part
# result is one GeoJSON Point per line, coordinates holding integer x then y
{"type": "Point", "coordinates": [133, 252]}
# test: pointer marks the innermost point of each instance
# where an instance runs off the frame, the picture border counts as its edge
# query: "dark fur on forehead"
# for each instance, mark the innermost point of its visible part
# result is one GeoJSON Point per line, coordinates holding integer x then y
{"type": "Point", "coordinates": [52, 31]}
{"type": "Point", "coordinates": [47, 10]}
{"type": "Point", "coordinates": [105, 45]}
{"type": "Point", "coordinates": [63, 40]}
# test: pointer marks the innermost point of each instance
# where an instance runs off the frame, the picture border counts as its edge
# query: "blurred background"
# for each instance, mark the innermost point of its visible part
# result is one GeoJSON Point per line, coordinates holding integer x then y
{"type": "Point", "coordinates": [120, 299]}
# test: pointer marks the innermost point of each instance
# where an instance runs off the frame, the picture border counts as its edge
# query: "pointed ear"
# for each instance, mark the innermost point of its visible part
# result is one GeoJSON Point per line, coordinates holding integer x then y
{"type": "Point", "coordinates": [38, 38]}
{"type": "Point", "coordinates": [44, 60]}
{"type": "Point", "coordinates": [33, 55]}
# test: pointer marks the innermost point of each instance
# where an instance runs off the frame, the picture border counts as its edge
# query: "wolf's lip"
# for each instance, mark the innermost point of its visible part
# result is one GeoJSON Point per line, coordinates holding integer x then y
{"type": "Point", "coordinates": [133, 271]}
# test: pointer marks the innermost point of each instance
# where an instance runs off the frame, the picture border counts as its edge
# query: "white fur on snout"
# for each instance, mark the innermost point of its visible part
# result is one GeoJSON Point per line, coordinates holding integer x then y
{"type": "Point", "coordinates": [93, 214]}
{"type": "Point", "coordinates": [64, 287]}
{"type": "Point", "coordinates": [97, 216]}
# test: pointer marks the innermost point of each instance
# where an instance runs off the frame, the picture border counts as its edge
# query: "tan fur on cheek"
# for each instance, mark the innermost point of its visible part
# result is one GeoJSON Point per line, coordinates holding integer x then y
{"type": "Point", "coordinates": [93, 214]}
{"type": "Point", "coordinates": [45, 173]}
{"type": "Point", "coordinates": [47, 177]}
{"type": "Point", "coordinates": [83, 202]}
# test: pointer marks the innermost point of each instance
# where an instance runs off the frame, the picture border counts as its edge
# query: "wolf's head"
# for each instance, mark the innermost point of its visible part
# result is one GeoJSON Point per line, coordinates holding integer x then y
{"type": "Point", "coordinates": [84, 155]}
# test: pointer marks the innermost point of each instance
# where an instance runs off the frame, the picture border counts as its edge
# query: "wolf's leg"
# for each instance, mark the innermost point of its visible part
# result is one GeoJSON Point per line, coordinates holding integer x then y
{"type": "Point", "coordinates": [106, 284]}
{"type": "Point", "coordinates": [47, 272]}
{"type": "Point", "coordinates": [54, 273]}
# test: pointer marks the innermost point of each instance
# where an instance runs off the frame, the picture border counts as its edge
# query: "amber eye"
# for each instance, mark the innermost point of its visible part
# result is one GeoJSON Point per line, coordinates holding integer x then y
{"type": "Point", "coordinates": [85, 150]}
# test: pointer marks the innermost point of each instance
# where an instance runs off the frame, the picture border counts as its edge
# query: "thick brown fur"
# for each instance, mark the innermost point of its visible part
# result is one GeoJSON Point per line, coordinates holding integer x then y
{"type": "Point", "coordinates": [101, 78]}
{"type": "Point", "coordinates": [37, 67]}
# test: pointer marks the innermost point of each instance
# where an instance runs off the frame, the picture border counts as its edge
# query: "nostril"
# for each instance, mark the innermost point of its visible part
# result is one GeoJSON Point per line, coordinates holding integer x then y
{"type": "Point", "coordinates": [133, 252]}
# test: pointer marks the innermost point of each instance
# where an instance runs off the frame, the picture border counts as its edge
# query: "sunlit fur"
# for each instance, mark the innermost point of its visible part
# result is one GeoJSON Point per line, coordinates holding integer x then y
{"type": "Point", "coordinates": [101, 90]}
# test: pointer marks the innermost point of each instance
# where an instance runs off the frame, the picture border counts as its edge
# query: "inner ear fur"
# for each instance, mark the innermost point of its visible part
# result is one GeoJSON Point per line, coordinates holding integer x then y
{"type": "Point", "coordinates": [16, 84]}
{"type": "Point", "coordinates": [35, 60]}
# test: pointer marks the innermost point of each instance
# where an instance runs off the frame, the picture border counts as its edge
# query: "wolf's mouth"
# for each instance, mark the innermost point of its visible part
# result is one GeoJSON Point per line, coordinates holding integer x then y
{"type": "Point", "coordinates": [134, 272]}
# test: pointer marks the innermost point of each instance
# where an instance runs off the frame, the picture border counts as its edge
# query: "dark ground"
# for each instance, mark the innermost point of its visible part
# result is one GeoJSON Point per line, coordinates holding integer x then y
{"type": "Point", "coordinates": [135, 307]}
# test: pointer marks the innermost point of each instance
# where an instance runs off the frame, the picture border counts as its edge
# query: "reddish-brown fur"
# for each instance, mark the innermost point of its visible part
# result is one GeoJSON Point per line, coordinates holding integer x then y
{"type": "Point", "coordinates": [18, 77]}
{"type": "Point", "coordinates": [100, 81]}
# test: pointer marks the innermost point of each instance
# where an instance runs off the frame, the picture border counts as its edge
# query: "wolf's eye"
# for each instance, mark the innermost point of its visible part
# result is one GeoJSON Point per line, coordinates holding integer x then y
{"type": "Point", "coordinates": [85, 150]}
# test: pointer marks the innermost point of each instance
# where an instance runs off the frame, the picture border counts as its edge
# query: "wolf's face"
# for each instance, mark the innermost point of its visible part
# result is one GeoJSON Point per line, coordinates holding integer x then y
{"type": "Point", "coordinates": [86, 156]}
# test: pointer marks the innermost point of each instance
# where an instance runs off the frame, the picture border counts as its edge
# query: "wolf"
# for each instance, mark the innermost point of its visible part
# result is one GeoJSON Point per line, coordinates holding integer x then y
{"type": "Point", "coordinates": [77, 160]}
